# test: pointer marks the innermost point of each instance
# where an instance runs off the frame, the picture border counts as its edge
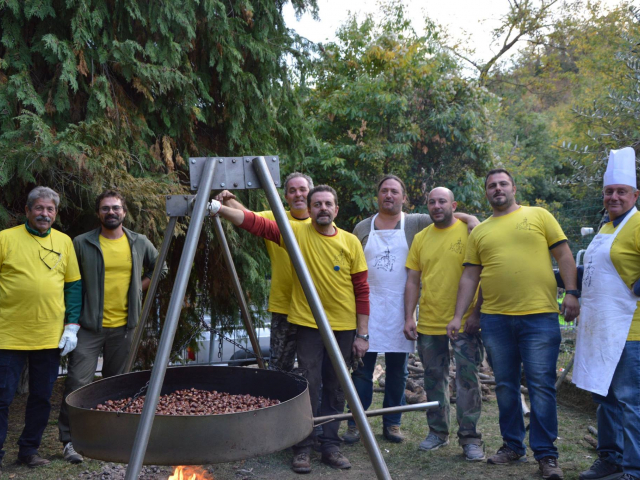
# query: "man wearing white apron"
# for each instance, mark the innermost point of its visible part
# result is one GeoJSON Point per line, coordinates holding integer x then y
{"type": "Point", "coordinates": [607, 360]}
{"type": "Point", "coordinates": [386, 238]}
{"type": "Point", "coordinates": [435, 261]}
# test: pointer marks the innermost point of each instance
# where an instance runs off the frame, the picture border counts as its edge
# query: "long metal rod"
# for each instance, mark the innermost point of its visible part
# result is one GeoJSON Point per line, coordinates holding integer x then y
{"type": "Point", "coordinates": [376, 413]}
{"type": "Point", "coordinates": [329, 340]}
{"type": "Point", "coordinates": [151, 294]}
{"type": "Point", "coordinates": [171, 323]}
{"type": "Point", "coordinates": [237, 288]}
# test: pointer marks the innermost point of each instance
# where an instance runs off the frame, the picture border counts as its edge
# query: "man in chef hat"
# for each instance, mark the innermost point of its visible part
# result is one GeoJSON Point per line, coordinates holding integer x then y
{"type": "Point", "coordinates": [607, 360]}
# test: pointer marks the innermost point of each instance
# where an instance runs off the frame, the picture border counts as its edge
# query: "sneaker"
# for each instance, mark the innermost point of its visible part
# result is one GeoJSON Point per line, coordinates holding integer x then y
{"type": "Point", "coordinates": [473, 452]}
{"type": "Point", "coordinates": [33, 461]}
{"type": "Point", "coordinates": [628, 476]}
{"type": "Point", "coordinates": [601, 470]}
{"type": "Point", "coordinates": [352, 435]}
{"type": "Point", "coordinates": [432, 442]}
{"type": "Point", "coordinates": [393, 434]}
{"type": "Point", "coordinates": [301, 462]}
{"type": "Point", "coordinates": [550, 469]}
{"type": "Point", "coordinates": [505, 456]}
{"type": "Point", "coordinates": [336, 460]}
{"type": "Point", "coordinates": [70, 455]}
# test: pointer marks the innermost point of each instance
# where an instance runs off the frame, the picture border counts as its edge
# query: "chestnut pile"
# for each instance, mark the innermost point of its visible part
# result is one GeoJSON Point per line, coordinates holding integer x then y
{"type": "Point", "coordinates": [191, 402]}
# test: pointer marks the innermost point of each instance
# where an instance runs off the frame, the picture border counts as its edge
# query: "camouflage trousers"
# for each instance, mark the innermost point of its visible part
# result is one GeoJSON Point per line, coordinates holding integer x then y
{"type": "Point", "coordinates": [282, 343]}
{"type": "Point", "coordinates": [469, 354]}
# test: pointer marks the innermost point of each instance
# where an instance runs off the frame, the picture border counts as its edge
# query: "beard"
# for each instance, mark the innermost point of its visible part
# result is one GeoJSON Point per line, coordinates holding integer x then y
{"type": "Point", "coordinates": [112, 222]}
{"type": "Point", "coordinates": [446, 220]}
{"type": "Point", "coordinates": [501, 201]}
{"type": "Point", "coordinates": [324, 220]}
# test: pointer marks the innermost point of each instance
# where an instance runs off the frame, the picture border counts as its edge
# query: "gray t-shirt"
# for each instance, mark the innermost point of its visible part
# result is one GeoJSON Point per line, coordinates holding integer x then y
{"type": "Point", "coordinates": [413, 224]}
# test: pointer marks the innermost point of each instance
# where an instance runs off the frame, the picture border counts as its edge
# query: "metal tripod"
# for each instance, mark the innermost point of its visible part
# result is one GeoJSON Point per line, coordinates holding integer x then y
{"type": "Point", "coordinates": [233, 173]}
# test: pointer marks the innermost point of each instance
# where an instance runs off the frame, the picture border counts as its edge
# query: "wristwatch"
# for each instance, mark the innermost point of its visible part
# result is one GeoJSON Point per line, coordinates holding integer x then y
{"type": "Point", "coordinates": [363, 337]}
{"type": "Point", "coordinates": [575, 293]}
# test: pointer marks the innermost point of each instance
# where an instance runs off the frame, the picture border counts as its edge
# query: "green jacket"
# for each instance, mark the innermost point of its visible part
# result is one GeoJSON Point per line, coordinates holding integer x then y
{"type": "Point", "coordinates": [91, 262]}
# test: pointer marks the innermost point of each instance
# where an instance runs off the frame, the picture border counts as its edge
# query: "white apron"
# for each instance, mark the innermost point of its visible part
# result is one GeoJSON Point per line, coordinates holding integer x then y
{"type": "Point", "coordinates": [607, 309]}
{"type": "Point", "coordinates": [386, 253]}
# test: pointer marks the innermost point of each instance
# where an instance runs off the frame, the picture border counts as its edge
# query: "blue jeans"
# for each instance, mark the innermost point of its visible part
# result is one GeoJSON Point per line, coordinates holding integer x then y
{"type": "Point", "coordinates": [43, 372]}
{"type": "Point", "coordinates": [396, 374]}
{"type": "Point", "coordinates": [619, 413]}
{"type": "Point", "coordinates": [532, 341]}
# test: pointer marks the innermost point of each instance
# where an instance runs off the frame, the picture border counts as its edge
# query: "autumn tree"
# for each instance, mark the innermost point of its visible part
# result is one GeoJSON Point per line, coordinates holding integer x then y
{"type": "Point", "coordinates": [386, 100]}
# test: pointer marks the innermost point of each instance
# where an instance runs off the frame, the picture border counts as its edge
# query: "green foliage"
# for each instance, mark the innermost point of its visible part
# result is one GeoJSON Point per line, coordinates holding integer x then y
{"type": "Point", "coordinates": [385, 100]}
{"type": "Point", "coordinates": [97, 94]}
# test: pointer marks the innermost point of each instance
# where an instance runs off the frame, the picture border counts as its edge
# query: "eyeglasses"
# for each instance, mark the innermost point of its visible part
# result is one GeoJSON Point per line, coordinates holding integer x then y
{"type": "Point", "coordinates": [107, 209]}
{"type": "Point", "coordinates": [51, 259]}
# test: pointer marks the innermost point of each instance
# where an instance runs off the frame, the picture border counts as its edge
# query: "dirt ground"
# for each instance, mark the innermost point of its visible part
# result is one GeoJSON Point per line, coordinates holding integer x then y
{"type": "Point", "coordinates": [575, 412]}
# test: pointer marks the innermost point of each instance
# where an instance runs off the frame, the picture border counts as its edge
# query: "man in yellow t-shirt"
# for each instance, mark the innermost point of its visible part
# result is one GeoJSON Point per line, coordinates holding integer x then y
{"type": "Point", "coordinates": [607, 359]}
{"type": "Point", "coordinates": [40, 301]}
{"type": "Point", "coordinates": [509, 252]}
{"type": "Point", "coordinates": [116, 265]}
{"type": "Point", "coordinates": [283, 333]}
{"type": "Point", "coordinates": [338, 268]}
{"type": "Point", "coordinates": [435, 260]}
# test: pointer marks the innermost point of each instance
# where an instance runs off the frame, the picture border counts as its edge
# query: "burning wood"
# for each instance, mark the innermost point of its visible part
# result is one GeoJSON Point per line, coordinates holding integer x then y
{"type": "Point", "coordinates": [190, 473]}
{"type": "Point", "coordinates": [191, 402]}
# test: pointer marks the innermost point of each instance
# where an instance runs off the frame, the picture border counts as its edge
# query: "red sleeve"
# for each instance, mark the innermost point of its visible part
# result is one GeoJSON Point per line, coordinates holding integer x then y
{"type": "Point", "coordinates": [260, 226]}
{"type": "Point", "coordinates": [361, 289]}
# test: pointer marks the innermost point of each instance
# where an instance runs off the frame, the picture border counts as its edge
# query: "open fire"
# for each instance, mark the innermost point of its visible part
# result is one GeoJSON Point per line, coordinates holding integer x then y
{"type": "Point", "coordinates": [190, 473]}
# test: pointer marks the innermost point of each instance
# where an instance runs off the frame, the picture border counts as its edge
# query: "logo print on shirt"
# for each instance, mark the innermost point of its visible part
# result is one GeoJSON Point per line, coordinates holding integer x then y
{"type": "Point", "coordinates": [385, 261]}
{"type": "Point", "coordinates": [456, 247]}
{"type": "Point", "coordinates": [524, 225]}
{"type": "Point", "coordinates": [338, 260]}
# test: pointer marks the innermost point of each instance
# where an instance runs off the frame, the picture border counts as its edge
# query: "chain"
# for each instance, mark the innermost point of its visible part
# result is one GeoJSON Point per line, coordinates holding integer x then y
{"type": "Point", "coordinates": [134, 398]}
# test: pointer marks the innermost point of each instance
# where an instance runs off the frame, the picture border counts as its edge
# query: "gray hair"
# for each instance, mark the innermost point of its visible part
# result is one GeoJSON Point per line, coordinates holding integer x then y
{"type": "Point", "coordinates": [293, 175]}
{"type": "Point", "coordinates": [44, 193]}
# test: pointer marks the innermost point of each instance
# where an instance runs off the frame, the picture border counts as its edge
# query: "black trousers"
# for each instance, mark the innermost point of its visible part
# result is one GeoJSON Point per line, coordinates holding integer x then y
{"type": "Point", "coordinates": [314, 364]}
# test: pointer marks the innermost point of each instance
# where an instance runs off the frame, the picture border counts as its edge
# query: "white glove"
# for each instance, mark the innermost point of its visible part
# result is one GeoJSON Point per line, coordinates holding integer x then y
{"type": "Point", "coordinates": [214, 207]}
{"type": "Point", "coordinates": [69, 339]}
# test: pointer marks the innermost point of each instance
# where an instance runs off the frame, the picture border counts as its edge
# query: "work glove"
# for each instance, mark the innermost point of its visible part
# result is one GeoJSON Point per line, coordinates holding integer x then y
{"type": "Point", "coordinates": [214, 207]}
{"type": "Point", "coordinates": [69, 339]}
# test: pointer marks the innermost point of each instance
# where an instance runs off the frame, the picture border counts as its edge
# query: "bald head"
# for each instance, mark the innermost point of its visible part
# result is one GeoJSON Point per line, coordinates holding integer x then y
{"type": "Point", "coordinates": [441, 206]}
{"type": "Point", "coordinates": [441, 191]}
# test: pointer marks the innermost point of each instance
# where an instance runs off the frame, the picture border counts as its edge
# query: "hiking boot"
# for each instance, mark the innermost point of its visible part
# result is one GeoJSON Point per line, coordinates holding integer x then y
{"type": "Point", "coordinates": [352, 435]}
{"type": "Point", "coordinates": [336, 460]}
{"type": "Point", "coordinates": [33, 461]}
{"type": "Point", "coordinates": [550, 469]}
{"type": "Point", "coordinates": [473, 452]}
{"type": "Point", "coordinates": [70, 455]}
{"type": "Point", "coordinates": [505, 456]}
{"type": "Point", "coordinates": [432, 442]}
{"type": "Point", "coordinates": [601, 470]}
{"type": "Point", "coordinates": [628, 476]}
{"type": "Point", "coordinates": [301, 462]}
{"type": "Point", "coordinates": [393, 434]}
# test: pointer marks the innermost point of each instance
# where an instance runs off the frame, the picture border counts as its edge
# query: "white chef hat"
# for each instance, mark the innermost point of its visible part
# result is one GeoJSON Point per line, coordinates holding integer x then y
{"type": "Point", "coordinates": [621, 169]}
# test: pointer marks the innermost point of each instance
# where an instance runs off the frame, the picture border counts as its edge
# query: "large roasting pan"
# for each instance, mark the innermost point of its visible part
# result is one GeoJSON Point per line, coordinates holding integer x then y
{"type": "Point", "coordinates": [193, 440]}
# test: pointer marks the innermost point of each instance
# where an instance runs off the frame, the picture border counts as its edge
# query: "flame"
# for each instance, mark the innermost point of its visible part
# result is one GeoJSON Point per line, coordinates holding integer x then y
{"type": "Point", "coordinates": [190, 473]}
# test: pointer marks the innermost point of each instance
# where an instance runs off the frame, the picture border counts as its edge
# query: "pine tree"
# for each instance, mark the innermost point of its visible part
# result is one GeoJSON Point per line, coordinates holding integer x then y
{"type": "Point", "coordinates": [118, 93]}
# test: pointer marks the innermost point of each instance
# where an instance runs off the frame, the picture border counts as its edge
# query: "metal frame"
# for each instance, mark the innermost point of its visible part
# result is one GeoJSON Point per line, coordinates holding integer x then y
{"type": "Point", "coordinates": [230, 172]}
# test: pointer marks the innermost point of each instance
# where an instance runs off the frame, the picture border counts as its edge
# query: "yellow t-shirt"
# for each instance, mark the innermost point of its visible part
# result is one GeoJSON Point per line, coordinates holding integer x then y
{"type": "Point", "coordinates": [438, 253]}
{"type": "Point", "coordinates": [117, 277]}
{"type": "Point", "coordinates": [331, 262]}
{"type": "Point", "coordinates": [33, 271]}
{"type": "Point", "coordinates": [517, 276]}
{"type": "Point", "coordinates": [625, 255]}
{"type": "Point", "coordinates": [281, 276]}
